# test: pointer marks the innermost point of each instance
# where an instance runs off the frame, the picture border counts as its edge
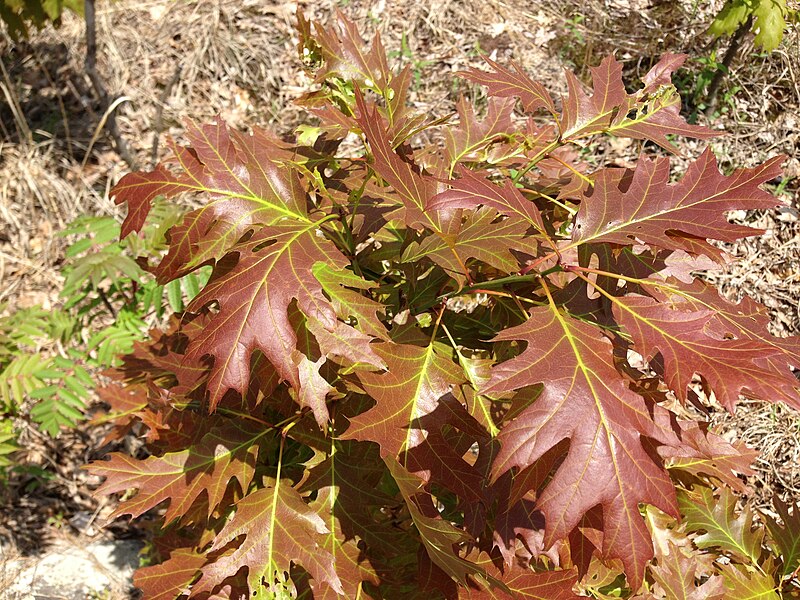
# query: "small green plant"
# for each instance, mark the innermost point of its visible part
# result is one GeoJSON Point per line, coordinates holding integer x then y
{"type": "Point", "coordinates": [767, 19]}
{"type": "Point", "coordinates": [407, 55]}
{"type": "Point", "coordinates": [20, 15]}
{"type": "Point", "coordinates": [574, 27]}
{"type": "Point", "coordinates": [699, 85]}
{"type": "Point", "coordinates": [8, 446]}
{"type": "Point", "coordinates": [48, 358]}
{"type": "Point", "coordinates": [57, 384]}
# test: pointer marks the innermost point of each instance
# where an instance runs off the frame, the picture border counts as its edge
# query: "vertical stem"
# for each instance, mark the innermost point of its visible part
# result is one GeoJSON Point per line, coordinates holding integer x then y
{"type": "Point", "coordinates": [90, 64]}
{"type": "Point", "coordinates": [158, 125]}
{"type": "Point", "coordinates": [724, 68]}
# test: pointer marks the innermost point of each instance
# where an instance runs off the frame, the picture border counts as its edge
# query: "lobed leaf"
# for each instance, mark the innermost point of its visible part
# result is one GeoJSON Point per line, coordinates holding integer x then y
{"type": "Point", "coordinates": [723, 528]}
{"type": "Point", "coordinates": [748, 584]}
{"type": "Point", "coordinates": [474, 139]}
{"type": "Point", "coordinates": [676, 574]}
{"type": "Point", "coordinates": [226, 453]}
{"type": "Point", "coordinates": [585, 401]}
{"type": "Point", "coordinates": [440, 537]}
{"type": "Point", "coordinates": [254, 286]}
{"type": "Point", "coordinates": [416, 378]}
{"type": "Point", "coordinates": [505, 83]}
{"type": "Point", "coordinates": [785, 535]}
{"type": "Point", "coordinates": [168, 579]}
{"type": "Point", "coordinates": [478, 235]}
{"type": "Point", "coordinates": [730, 366]}
{"type": "Point", "coordinates": [643, 206]}
{"type": "Point", "coordinates": [278, 528]}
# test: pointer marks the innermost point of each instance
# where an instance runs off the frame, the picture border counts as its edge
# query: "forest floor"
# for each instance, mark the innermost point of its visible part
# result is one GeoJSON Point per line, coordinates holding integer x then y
{"type": "Point", "coordinates": [168, 61]}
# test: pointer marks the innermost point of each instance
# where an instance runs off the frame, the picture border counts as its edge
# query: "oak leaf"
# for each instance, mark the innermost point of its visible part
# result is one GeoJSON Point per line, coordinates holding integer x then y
{"type": "Point", "coordinates": [278, 528]}
{"type": "Point", "coordinates": [227, 453]}
{"type": "Point", "coordinates": [417, 377]}
{"type": "Point", "coordinates": [785, 535]}
{"type": "Point", "coordinates": [730, 366]}
{"type": "Point", "coordinates": [254, 288]}
{"type": "Point", "coordinates": [723, 527]}
{"type": "Point", "coordinates": [643, 206]}
{"type": "Point", "coordinates": [586, 401]}
{"type": "Point", "coordinates": [676, 574]}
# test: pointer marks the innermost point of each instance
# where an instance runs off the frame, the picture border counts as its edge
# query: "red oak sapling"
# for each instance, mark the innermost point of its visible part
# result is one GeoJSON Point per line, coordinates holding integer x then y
{"type": "Point", "coordinates": [450, 369]}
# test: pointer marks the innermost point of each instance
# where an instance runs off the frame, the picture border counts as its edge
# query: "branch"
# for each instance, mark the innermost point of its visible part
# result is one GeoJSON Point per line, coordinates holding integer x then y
{"type": "Point", "coordinates": [725, 67]}
{"type": "Point", "coordinates": [158, 125]}
{"type": "Point", "coordinates": [90, 65]}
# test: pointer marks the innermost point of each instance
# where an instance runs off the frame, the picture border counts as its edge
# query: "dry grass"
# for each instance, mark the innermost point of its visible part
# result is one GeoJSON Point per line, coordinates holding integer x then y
{"type": "Point", "coordinates": [237, 59]}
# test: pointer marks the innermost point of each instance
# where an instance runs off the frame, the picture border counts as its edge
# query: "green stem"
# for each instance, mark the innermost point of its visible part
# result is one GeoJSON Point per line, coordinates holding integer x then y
{"type": "Point", "coordinates": [536, 159]}
{"type": "Point", "coordinates": [501, 282]}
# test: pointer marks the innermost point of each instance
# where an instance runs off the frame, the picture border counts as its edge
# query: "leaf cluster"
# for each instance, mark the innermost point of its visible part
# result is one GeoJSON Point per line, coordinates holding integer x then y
{"type": "Point", "coordinates": [57, 385]}
{"type": "Point", "coordinates": [768, 19]}
{"type": "Point", "coordinates": [439, 357]}
{"type": "Point", "coordinates": [20, 15]}
{"type": "Point", "coordinates": [49, 358]}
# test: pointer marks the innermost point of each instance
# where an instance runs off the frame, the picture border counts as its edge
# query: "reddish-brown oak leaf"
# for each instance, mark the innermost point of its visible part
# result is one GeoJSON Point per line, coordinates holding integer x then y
{"type": "Point", "coordinates": [473, 136]}
{"type": "Point", "coordinates": [479, 235]}
{"type": "Point", "coordinates": [650, 114]}
{"type": "Point", "coordinates": [747, 320]}
{"type": "Point", "coordinates": [241, 175]}
{"type": "Point", "coordinates": [257, 188]}
{"type": "Point", "coordinates": [347, 59]}
{"type": "Point", "coordinates": [586, 401]}
{"type": "Point", "coordinates": [583, 114]}
{"type": "Point", "coordinates": [277, 529]}
{"type": "Point", "coordinates": [704, 453]}
{"type": "Point", "coordinates": [523, 583]}
{"type": "Point", "coordinates": [349, 304]}
{"type": "Point", "coordinates": [414, 188]}
{"type": "Point", "coordinates": [437, 461]}
{"type": "Point", "coordinates": [254, 292]}
{"type": "Point", "coordinates": [343, 52]}
{"type": "Point", "coordinates": [650, 209]}
{"type": "Point", "coordinates": [505, 83]}
{"type": "Point", "coordinates": [345, 343]}
{"type": "Point", "coordinates": [227, 453]}
{"type": "Point", "coordinates": [351, 567]}
{"type": "Point", "coordinates": [349, 511]}
{"type": "Point", "coordinates": [676, 574]}
{"type": "Point", "coordinates": [125, 403]}
{"type": "Point", "coordinates": [349, 481]}
{"type": "Point", "coordinates": [471, 190]}
{"type": "Point", "coordinates": [440, 537]}
{"type": "Point", "coordinates": [657, 108]}
{"type": "Point", "coordinates": [139, 189]}
{"type": "Point", "coordinates": [417, 377]}
{"type": "Point", "coordinates": [169, 580]}
{"type": "Point", "coordinates": [729, 366]}
{"type": "Point", "coordinates": [163, 360]}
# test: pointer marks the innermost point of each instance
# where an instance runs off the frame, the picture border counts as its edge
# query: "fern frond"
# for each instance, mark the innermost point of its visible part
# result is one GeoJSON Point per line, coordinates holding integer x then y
{"type": "Point", "coordinates": [23, 328]}
{"type": "Point", "coordinates": [21, 377]}
{"type": "Point", "coordinates": [8, 446]}
{"type": "Point", "coordinates": [58, 407]}
{"type": "Point", "coordinates": [61, 402]}
{"type": "Point", "coordinates": [109, 344]}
